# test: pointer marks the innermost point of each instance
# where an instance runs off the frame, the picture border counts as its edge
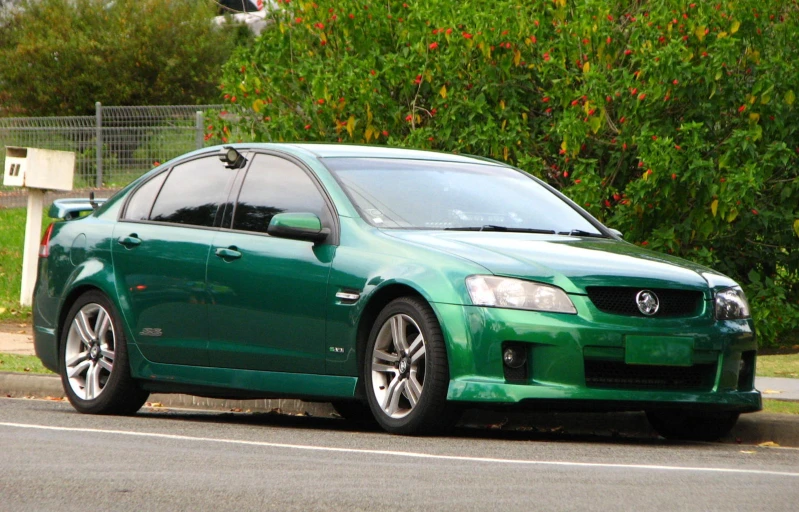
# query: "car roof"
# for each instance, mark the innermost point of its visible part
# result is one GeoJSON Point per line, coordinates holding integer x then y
{"type": "Point", "coordinates": [361, 151]}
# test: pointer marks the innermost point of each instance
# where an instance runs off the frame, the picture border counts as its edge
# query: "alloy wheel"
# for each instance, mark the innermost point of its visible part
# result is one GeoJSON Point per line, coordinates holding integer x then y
{"type": "Point", "coordinates": [89, 352]}
{"type": "Point", "coordinates": [398, 366]}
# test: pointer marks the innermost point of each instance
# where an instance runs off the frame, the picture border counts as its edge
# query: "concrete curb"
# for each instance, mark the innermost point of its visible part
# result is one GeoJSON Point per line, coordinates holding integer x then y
{"type": "Point", "coordinates": [752, 429]}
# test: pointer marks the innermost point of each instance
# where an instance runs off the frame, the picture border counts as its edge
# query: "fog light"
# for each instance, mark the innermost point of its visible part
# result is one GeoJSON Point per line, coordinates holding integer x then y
{"type": "Point", "coordinates": [514, 357]}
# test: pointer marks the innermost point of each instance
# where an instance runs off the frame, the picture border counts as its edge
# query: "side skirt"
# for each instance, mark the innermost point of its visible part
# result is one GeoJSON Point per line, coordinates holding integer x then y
{"type": "Point", "coordinates": [235, 383]}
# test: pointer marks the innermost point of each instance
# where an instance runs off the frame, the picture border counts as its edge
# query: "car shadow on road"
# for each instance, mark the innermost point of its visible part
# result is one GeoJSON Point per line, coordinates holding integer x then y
{"type": "Point", "coordinates": [606, 428]}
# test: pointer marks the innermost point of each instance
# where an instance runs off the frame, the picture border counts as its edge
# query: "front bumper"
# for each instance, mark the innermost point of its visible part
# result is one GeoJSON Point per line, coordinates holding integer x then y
{"type": "Point", "coordinates": [567, 355]}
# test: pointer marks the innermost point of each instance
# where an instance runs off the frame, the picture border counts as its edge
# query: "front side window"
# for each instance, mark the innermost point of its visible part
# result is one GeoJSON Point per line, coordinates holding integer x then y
{"type": "Point", "coordinates": [193, 193]}
{"type": "Point", "coordinates": [274, 185]}
{"type": "Point", "coordinates": [421, 194]}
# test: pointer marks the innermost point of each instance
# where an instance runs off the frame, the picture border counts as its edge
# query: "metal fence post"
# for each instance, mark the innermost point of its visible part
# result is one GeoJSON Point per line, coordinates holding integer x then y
{"type": "Point", "coordinates": [198, 126]}
{"type": "Point", "coordinates": [98, 112]}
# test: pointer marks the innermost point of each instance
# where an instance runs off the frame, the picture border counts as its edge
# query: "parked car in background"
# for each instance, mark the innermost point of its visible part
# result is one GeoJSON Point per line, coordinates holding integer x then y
{"type": "Point", "coordinates": [401, 285]}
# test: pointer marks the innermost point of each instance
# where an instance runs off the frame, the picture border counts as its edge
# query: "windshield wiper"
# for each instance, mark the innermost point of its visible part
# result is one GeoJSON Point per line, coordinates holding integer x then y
{"type": "Point", "coordinates": [580, 232]}
{"type": "Point", "coordinates": [493, 227]}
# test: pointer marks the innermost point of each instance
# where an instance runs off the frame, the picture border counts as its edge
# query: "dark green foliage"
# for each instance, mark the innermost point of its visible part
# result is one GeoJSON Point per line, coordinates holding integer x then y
{"type": "Point", "coordinates": [57, 57]}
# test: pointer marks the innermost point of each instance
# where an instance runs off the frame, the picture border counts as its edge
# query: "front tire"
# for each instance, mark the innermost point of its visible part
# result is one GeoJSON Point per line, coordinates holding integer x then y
{"type": "Point", "coordinates": [95, 371]}
{"type": "Point", "coordinates": [692, 426]}
{"type": "Point", "coordinates": [406, 372]}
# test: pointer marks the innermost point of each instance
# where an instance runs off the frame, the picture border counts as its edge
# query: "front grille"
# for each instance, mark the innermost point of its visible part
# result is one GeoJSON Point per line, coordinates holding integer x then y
{"type": "Point", "coordinates": [618, 375]}
{"type": "Point", "coordinates": [621, 301]}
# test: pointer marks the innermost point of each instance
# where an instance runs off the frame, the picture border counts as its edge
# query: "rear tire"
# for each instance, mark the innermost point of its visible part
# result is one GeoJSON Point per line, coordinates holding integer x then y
{"type": "Point", "coordinates": [692, 426]}
{"type": "Point", "coordinates": [93, 359]}
{"type": "Point", "coordinates": [406, 373]}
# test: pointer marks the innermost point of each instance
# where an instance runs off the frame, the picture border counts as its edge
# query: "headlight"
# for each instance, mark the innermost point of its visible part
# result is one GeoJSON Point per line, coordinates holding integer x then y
{"type": "Point", "coordinates": [731, 304]}
{"type": "Point", "coordinates": [503, 292]}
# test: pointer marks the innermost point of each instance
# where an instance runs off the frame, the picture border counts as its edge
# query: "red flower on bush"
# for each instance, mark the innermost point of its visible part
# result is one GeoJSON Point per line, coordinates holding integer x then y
{"type": "Point", "coordinates": [409, 118]}
{"type": "Point", "coordinates": [321, 101]}
{"type": "Point", "coordinates": [418, 79]}
{"type": "Point", "coordinates": [385, 133]}
{"type": "Point", "coordinates": [755, 212]}
{"type": "Point", "coordinates": [546, 56]}
{"type": "Point", "coordinates": [467, 35]}
{"type": "Point", "coordinates": [673, 176]}
{"type": "Point", "coordinates": [741, 108]}
{"type": "Point", "coordinates": [319, 25]}
{"type": "Point", "coordinates": [433, 45]}
{"type": "Point", "coordinates": [307, 127]}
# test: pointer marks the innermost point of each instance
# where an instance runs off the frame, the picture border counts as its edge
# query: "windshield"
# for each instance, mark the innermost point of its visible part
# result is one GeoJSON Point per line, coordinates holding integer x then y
{"type": "Point", "coordinates": [423, 194]}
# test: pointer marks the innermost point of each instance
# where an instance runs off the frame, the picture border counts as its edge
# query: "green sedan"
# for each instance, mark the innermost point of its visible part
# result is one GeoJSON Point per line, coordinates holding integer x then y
{"type": "Point", "coordinates": [402, 286]}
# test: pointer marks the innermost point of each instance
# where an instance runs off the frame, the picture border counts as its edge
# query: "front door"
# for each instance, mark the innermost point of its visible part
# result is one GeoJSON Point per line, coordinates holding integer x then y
{"type": "Point", "coordinates": [267, 308]}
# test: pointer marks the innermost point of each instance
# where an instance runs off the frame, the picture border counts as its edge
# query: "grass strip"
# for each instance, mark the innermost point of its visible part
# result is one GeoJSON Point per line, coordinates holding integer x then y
{"type": "Point", "coordinates": [18, 363]}
{"type": "Point", "coordinates": [782, 365]}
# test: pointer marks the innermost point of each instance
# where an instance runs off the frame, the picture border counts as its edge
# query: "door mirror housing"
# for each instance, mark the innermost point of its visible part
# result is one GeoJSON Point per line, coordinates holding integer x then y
{"type": "Point", "coordinates": [298, 226]}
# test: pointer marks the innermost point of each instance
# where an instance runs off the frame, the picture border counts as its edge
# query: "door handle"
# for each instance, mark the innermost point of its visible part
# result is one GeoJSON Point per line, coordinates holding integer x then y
{"type": "Point", "coordinates": [130, 241]}
{"type": "Point", "coordinates": [228, 253]}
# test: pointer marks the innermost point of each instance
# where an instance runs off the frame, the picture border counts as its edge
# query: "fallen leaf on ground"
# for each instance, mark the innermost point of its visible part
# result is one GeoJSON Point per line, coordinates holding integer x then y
{"type": "Point", "coordinates": [769, 444]}
{"type": "Point", "coordinates": [771, 392]}
{"type": "Point", "coordinates": [748, 451]}
{"type": "Point", "coordinates": [2, 310]}
{"type": "Point", "coordinates": [26, 369]}
{"type": "Point", "coordinates": [156, 404]}
{"type": "Point", "coordinates": [236, 409]}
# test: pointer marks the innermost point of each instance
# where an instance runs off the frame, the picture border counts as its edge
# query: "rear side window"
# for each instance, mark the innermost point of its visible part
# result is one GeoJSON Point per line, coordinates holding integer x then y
{"type": "Point", "coordinates": [193, 193]}
{"type": "Point", "coordinates": [274, 185]}
{"type": "Point", "coordinates": [141, 202]}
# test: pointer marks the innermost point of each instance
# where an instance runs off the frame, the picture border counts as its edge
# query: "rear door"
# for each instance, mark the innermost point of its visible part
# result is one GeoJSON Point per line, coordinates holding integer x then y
{"type": "Point", "coordinates": [160, 252]}
{"type": "Point", "coordinates": [268, 294]}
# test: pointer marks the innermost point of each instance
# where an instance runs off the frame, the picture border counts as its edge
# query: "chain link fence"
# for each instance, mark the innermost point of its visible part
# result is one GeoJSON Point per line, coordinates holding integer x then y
{"type": "Point", "coordinates": [113, 147]}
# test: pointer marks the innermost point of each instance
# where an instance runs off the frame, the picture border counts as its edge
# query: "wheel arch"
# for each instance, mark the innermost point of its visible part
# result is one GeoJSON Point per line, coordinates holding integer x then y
{"type": "Point", "coordinates": [378, 300]}
{"type": "Point", "coordinates": [76, 289]}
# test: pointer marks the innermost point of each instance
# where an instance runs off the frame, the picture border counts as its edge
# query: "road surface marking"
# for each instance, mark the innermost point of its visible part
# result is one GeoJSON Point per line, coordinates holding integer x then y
{"type": "Point", "coordinates": [417, 455]}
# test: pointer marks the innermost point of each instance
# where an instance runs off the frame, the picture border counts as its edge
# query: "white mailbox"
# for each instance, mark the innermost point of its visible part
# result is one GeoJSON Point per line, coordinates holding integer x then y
{"type": "Point", "coordinates": [43, 169]}
{"type": "Point", "coordinates": [37, 170]}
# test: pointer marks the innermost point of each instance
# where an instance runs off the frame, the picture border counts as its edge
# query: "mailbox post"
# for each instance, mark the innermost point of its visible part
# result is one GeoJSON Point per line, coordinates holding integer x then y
{"type": "Point", "coordinates": [37, 170]}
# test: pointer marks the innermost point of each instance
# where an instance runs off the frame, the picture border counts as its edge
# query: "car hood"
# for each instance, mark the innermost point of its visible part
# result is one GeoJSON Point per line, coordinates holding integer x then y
{"type": "Point", "coordinates": [571, 263]}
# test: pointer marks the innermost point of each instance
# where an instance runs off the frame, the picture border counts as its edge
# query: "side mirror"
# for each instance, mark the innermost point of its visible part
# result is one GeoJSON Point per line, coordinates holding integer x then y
{"type": "Point", "coordinates": [298, 226]}
{"type": "Point", "coordinates": [616, 232]}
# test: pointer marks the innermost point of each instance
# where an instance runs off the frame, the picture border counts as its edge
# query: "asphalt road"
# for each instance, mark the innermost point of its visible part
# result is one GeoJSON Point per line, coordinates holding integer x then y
{"type": "Point", "coordinates": [52, 458]}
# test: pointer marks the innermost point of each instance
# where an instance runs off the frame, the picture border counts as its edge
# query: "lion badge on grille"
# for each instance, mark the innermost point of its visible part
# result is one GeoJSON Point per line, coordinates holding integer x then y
{"type": "Point", "coordinates": [647, 302]}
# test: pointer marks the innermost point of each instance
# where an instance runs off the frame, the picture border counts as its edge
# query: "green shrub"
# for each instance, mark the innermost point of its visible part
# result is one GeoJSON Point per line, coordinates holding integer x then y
{"type": "Point", "coordinates": [671, 121]}
{"type": "Point", "coordinates": [58, 57]}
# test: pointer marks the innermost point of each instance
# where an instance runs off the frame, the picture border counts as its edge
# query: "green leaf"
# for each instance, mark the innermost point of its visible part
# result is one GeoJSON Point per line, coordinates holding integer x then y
{"type": "Point", "coordinates": [796, 227]}
{"type": "Point", "coordinates": [714, 206]}
{"type": "Point", "coordinates": [595, 123]}
{"type": "Point", "coordinates": [790, 97]}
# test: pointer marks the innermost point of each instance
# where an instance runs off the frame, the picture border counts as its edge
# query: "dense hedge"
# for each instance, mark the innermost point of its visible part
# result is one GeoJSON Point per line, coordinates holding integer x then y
{"type": "Point", "coordinates": [58, 57]}
{"type": "Point", "coordinates": [674, 122]}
